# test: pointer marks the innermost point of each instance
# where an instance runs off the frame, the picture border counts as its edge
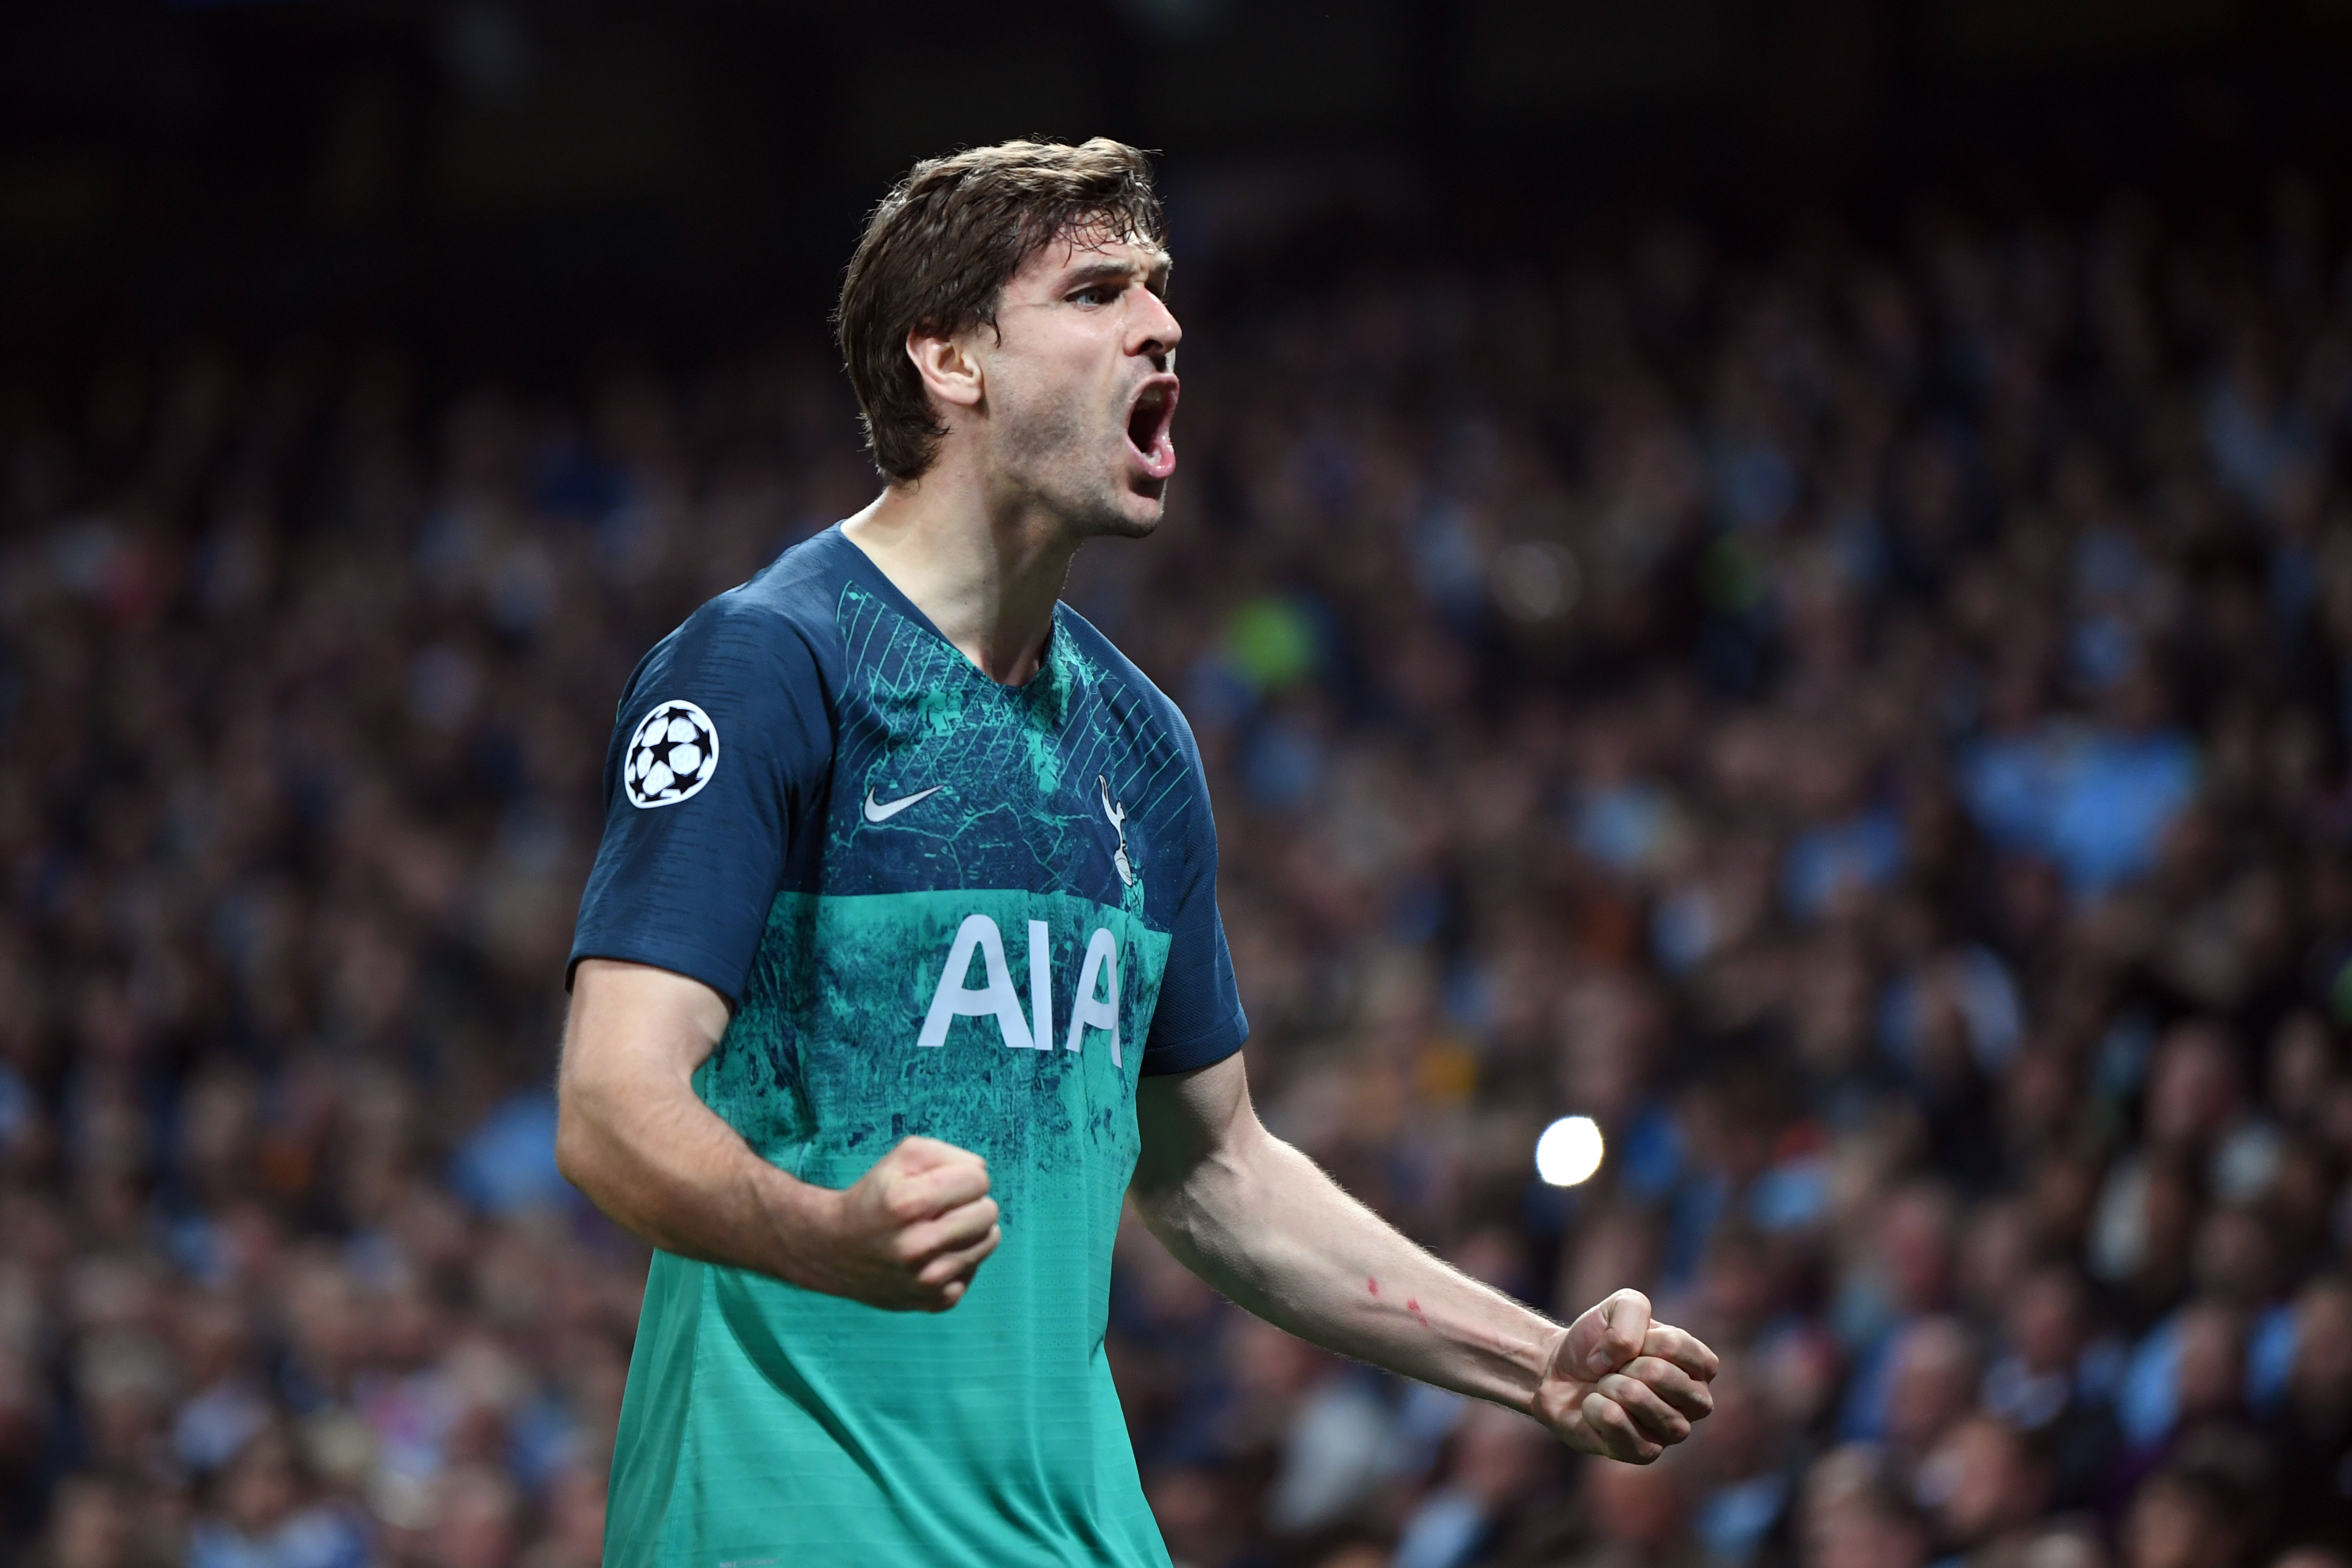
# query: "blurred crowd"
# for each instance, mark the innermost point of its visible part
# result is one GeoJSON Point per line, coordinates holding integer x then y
{"type": "Point", "coordinates": [1865, 720]}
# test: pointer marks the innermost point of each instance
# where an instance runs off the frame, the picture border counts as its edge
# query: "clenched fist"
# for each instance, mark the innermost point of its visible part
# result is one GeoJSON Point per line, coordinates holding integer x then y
{"type": "Point", "coordinates": [1623, 1387]}
{"type": "Point", "coordinates": [910, 1234]}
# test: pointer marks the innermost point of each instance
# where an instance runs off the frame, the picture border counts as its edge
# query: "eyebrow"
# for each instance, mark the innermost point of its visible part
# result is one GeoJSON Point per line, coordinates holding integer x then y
{"type": "Point", "coordinates": [1155, 276]}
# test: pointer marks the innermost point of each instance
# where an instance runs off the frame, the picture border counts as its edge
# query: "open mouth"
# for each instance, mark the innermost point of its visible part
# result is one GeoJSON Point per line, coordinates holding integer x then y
{"type": "Point", "coordinates": [1148, 422]}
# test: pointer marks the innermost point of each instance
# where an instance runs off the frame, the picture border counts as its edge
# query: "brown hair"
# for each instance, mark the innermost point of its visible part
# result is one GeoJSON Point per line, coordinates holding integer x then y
{"type": "Point", "coordinates": [938, 250]}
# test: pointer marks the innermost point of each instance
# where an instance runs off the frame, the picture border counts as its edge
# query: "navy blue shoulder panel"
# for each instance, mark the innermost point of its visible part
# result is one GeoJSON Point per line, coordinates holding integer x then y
{"type": "Point", "coordinates": [691, 859]}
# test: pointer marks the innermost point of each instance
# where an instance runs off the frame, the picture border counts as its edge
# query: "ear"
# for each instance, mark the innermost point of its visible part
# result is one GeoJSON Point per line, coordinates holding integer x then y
{"type": "Point", "coordinates": [950, 369]}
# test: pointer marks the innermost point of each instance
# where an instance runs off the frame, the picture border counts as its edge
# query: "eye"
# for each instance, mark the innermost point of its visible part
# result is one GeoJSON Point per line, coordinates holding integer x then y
{"type": "Point", "coordinates": [1096, 294]}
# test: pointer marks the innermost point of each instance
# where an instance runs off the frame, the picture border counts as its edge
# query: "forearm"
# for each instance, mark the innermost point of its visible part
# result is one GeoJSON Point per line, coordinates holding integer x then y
{"type": "Point", "coordinates": [632, 1134]}
{"type": "Point", "coordinates": [1270, 1229]}
{"type": "Point", "coordinates": [666, 1168]}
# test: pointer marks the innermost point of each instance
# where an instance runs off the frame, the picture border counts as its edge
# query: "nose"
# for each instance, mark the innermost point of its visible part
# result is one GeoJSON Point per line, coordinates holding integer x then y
{"type": "Point", "coordinates": [1154, 332]}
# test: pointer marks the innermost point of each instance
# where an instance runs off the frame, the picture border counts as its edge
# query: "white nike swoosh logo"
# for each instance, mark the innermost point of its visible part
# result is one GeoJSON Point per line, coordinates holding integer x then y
{"type": "Point", "coordinates": [883, 813]}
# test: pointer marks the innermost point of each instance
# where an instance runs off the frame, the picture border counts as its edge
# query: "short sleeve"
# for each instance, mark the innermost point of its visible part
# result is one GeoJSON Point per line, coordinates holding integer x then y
{"type": "Point", "coordinates": [1199, 1018]}
{"type": "Point", "coordinates": [723, 731]}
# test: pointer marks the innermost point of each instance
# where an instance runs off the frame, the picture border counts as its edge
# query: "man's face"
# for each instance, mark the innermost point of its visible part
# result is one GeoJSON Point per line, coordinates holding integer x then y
{"type": "Point", "coordinates": [1079, 385]}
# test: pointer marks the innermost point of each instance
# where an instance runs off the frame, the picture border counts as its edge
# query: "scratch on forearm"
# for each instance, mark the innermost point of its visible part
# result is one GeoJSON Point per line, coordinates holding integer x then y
{"type": "Point", "coordinates": [1411, 1303]}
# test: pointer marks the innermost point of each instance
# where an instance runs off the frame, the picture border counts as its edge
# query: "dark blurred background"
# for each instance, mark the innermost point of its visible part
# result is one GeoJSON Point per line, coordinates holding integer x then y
{"type": "Point", "coordinates": [502, 184]}
{"type": "Point", "coordinates": [1775, 576]}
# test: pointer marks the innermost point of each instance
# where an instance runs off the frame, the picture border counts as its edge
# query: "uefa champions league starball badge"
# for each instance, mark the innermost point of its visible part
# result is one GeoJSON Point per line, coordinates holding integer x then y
{"type": "Point", "coordinates": [671, 756]}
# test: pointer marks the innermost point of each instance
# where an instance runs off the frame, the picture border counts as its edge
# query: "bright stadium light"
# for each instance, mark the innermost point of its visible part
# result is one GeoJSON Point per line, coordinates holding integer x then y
{"type": "Point", "coordinates": [1568, 1152]}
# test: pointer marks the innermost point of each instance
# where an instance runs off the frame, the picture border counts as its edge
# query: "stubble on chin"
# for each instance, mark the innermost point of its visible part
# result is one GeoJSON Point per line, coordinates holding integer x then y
{"type": "Point", "coordinates": [1053, 459]}
{"type": "Point", "coordinates": [1122, 519]}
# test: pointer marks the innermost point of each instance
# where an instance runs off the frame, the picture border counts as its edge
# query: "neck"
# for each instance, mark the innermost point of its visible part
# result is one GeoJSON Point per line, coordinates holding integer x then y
{"type": "Point", "coordinates": [987, 576]}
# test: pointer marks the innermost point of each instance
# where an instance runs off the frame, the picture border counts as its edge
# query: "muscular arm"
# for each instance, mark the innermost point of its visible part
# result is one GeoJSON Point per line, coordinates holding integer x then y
{"type": "Point", "coordinates": [632, 1134]}
{"type": "Point", "coordinates": [1265, 1225]}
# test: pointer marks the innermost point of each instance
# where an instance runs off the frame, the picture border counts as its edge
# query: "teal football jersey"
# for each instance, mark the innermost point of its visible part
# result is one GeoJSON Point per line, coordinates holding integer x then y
{"type": "Point", "coordinates": [939, 906]}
